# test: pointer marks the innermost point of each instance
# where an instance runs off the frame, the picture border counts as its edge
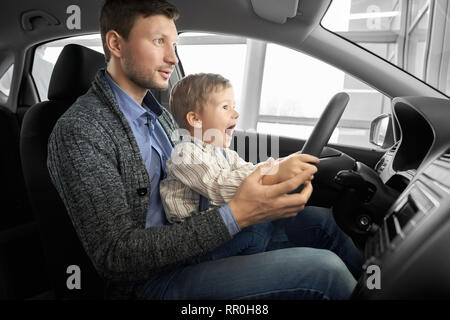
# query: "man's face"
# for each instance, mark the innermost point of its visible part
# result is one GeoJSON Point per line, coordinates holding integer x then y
{"type": "Point", "coordinates": [148, 57]}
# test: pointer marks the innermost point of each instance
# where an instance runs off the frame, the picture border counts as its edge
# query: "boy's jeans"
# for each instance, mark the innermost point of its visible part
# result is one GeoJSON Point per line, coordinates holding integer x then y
{"type": "Point", "coordinates": [250, 240]}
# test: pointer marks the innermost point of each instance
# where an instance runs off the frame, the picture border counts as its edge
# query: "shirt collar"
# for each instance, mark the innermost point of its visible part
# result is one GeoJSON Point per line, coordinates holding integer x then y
{"type": "Point", "coordinates": [204, 145]}
{"type": "Point", "coordinates": [131, 109]}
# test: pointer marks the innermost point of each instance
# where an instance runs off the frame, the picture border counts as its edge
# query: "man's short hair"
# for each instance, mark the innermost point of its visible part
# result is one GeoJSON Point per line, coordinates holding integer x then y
{"type": "Point", "coordinates": [192, 92]}
{"type": "Point", "coordinates": [120, 15]}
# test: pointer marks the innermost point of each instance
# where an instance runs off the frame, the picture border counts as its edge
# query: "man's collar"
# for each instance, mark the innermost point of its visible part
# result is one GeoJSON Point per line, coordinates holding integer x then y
{"type": "Point", "coordinates": [133, 109]}
{"type": "Point", "coordinates": [153, 104]}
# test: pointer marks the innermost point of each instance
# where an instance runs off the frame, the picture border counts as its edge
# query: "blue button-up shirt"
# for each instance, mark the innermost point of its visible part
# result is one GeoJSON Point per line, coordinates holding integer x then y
{"type": "Point", "coordinates": [155, 149]}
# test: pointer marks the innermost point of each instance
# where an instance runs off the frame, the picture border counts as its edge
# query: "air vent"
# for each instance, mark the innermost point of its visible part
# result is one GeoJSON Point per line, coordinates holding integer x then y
{"type": "Point", "coordinates": [445, 158]}
{"type": "Point", "coordinates": [393, 228]}
{"type": "Point", "coordinates": [409, 213]}
{"type": "Point", "coordinates": [439, 170]}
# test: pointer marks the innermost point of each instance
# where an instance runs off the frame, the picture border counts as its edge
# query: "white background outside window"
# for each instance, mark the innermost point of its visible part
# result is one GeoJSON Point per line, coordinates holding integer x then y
{"type": "Point", "coordinates": [295, 88]}
{"type": "Point", "coordinates": [5, 81]}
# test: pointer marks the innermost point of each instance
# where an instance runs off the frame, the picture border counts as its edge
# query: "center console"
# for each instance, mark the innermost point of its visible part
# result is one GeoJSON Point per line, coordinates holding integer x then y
{"type": "Point", "coordinates": [413, 266]}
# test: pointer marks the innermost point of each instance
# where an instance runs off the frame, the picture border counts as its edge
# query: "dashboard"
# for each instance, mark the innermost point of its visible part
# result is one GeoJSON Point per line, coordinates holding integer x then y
{"type": "Point", "coordinates": [412, 244]}
{"type": "Point", "coordinates": [415, 136]}
{"type": "Point", "coordinates": [396, 179]}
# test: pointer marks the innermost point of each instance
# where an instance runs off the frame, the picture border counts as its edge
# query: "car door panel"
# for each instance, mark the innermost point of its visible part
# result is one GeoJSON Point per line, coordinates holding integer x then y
{"type": "Point", "coordinates": [248, 144]}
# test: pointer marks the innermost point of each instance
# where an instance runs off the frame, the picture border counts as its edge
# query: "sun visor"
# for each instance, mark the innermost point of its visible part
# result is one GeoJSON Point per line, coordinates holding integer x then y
{"type": "Point", "coordinates": [275, 10]}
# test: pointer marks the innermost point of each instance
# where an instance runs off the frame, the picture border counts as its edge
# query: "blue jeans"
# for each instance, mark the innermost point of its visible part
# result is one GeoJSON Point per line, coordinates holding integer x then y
{"type": "Point", "coordinates": [250, 240]}
{"type": "Point", "coordinates": [308, 257]}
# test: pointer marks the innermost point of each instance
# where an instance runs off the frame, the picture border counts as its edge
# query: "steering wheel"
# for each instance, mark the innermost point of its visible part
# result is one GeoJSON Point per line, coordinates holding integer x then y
{"type": "Point", "coordinates": [355, 191]}
{"type": "Point", "coordinates": [325, 126]}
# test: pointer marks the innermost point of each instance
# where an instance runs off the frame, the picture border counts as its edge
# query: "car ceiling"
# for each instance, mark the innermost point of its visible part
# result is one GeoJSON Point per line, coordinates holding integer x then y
{"type": "Point", "coordinates": [193, 17]}
{"type": "Point", "coordinates": [220, 16]}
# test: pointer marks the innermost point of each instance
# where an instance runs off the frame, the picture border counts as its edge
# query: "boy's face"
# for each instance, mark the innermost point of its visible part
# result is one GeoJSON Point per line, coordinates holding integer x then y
{"type": "Point", "coordinates": [149, 52]}
{"type": "Point", "coordinates": [219, 117]}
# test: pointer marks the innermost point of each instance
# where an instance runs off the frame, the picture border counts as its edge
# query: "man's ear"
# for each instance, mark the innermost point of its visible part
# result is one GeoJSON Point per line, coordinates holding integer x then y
{"type": "Point", "coordinates": [193, 119]}
{"type": "Point", "coordinates": [114, 43]}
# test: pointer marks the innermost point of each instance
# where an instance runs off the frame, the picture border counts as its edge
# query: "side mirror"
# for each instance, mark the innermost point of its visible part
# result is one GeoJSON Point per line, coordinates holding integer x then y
{"type": "Point", "coordinates": [381, 131]}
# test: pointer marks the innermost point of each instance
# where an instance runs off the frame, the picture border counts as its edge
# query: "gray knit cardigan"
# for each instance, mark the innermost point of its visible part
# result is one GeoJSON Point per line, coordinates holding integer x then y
{"type": "Point", "coordinates": [96, 166]}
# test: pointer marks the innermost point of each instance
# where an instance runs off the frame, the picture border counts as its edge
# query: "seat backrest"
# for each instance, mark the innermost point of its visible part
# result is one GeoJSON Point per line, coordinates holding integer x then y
{"type": "Point", "coordinates": [13, 197]}
{"type": "Point", "coordinates": [72, 76]}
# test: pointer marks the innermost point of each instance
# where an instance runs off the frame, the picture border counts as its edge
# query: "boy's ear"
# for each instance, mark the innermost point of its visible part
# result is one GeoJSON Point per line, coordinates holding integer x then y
{"type": "Point", "coordinates": [193, 119]}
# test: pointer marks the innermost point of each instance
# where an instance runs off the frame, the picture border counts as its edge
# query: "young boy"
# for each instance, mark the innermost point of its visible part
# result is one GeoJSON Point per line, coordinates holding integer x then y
{"type": "Point", "coordinates": [203, 171]}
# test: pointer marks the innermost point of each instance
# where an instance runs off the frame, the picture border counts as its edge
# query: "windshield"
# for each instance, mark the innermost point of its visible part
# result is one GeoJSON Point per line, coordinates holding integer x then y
{"type": "Point", "coordinates": [412, 34]}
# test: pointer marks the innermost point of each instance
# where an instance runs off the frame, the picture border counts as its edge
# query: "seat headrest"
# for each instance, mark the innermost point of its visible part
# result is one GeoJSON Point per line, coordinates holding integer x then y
{"type": "Point", "coordinates": [74, 71]}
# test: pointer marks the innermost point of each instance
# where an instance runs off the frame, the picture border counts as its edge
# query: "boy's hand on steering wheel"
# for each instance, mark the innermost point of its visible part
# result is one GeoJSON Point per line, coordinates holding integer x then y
{"type": "Point", "coordinates": [288, 167]}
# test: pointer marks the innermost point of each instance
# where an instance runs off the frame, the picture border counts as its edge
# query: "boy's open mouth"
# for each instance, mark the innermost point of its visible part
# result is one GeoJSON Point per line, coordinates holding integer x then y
{"type": "Point", "coordinates": [229, 130]}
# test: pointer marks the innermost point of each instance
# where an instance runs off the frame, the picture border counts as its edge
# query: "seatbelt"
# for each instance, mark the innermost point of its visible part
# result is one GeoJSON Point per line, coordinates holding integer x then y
{"type": "Point", "coordinates": [204, 201]}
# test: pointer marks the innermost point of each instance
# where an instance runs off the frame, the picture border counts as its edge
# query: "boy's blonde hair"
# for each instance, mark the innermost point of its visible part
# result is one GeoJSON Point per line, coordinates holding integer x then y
{"type": "Point", "coordinates": [192, 92]}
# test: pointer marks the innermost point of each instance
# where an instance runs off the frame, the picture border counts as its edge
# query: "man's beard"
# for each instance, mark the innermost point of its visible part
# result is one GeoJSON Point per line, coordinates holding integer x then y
{"type": "Point", "coordinates": [138, 77]}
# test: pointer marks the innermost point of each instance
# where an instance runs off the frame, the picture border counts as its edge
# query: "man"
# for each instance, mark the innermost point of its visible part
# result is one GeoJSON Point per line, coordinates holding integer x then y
{"type": "Point", "coordinates": [107, 155]}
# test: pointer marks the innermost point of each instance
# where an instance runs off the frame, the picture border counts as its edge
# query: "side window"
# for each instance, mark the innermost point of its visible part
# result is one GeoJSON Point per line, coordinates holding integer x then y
{"type": "Point", "coordinates": [45, 57]}
{"type": "Point", "coordinates": [293, 101]}
{"type": "Point", "coordinates": [295, 88]}
{"type": "Point", "coordinates": [411, 34]}
{"type": "Point", "coordinates": [417, 37]}
{"type": "Point", "coordinates": [5, 81]}
{"type": "Point", "coordinates": [225, 55]}
{"type": "Point", "coordinates": [448, 81]}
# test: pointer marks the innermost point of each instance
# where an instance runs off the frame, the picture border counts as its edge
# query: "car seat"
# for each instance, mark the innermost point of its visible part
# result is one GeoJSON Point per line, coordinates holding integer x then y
{"type": "Point", "coordinates": [72, 76]}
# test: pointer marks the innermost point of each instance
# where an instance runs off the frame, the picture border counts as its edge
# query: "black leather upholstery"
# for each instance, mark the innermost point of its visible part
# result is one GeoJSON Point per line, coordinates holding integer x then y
{"type": "Point", "coordinates": [15, 206]}
{"type": "Point", "coordinates": [74, 72]}
{"type": "Point", "coordinates": [20, 245]}
{"type": "Point", "coordinates": [72, 76]}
